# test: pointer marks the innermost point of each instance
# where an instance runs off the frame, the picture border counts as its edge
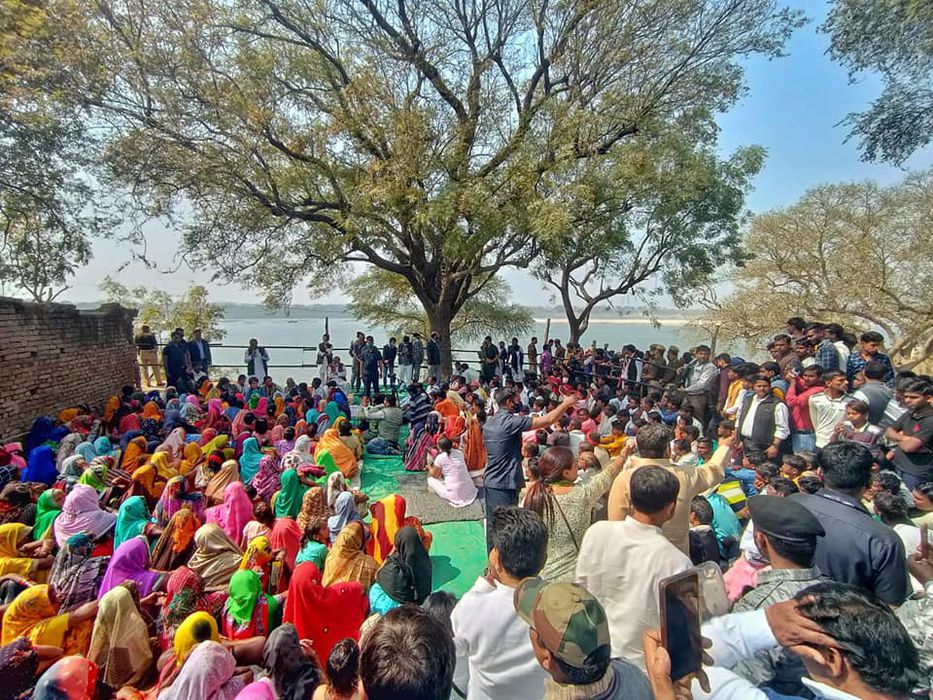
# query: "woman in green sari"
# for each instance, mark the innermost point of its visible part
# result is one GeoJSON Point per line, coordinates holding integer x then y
{"type": "Point", "coordinates": [48, 507]}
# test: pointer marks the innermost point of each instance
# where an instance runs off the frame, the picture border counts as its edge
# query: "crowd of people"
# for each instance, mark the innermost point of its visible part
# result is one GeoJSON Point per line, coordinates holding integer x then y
{"type": "Point", "coordinates": [214, 539]}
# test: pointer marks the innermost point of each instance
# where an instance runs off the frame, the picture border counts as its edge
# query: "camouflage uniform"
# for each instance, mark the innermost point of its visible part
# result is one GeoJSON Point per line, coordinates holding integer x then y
{"type": "Point", "coordinates": [571, 624]}
{"type": "Point", "coordinates": [917, 617]}
{"type": "Point", "coordinates": [776, 668]}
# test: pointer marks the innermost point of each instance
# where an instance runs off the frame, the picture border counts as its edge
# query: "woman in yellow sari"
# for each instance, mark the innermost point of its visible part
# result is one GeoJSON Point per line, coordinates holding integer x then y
{"type": "Point", "coordinates": [135, 454]}
{"type": "Point", "coordinates": [347, 561]}
{"type": "Point", "coordinates": [149, 480]}
{"type": "Point", "coordinates": [194, 455]}
{"type": "Point", "coordinates": [218, 443]}
{"type": "Point", "coordinates": [341, 454]}
{"type": "Point", "coordinates": [16, 553]}
{"type": "Point", "coordinates": [33, 614]}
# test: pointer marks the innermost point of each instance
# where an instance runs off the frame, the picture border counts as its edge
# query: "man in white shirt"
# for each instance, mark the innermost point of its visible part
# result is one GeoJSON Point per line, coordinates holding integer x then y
{"type": "Point", "coordinates": [828, 408]}
{"type": "Point", "coordinates": [495, 658]}
{"type": "Point", "coordinates": [622, 562]}
{"type": "Point", "coordinates": [763, 421]}
{"type": "Point", "coordinates": [852, 646]}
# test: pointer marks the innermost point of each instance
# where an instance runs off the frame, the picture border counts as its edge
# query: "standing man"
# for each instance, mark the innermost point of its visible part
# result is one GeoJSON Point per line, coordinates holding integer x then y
{"type": "Point", "coordinates": [355, 370]}
{"type": "Point", "coordinates": [325, 355]}
{"type": "Point", "coordinates": [389, 352]}
{"type": "Point", "coordinates": [533, 355]}
{"type": "Point", "coordinates": [404, 361]}
{"type": "Point", "coordinates": [783, 353]}
{"type": "Point", "coordinates": [257, 360]}
{"type": "Point", "coordinates": [200, 351]}
{"type": "Point", "coordinates": [912, 435]}
{"type": "Point", "coordinates": [824, 351]}
{"type": "Point", "coordinates": [869, 349]}
{"type": "Point", "coordinates": [799, 390]}
{"type": "Point", "coordinates": [148, 348]}
{"type": "Point", "coordinates": [502, 435]}
{"type": "Point", "coordinates": [417, 357]}
{"type": "Point", "coordinates": [371, 363]}
{"type": "Point", "coordinates": [874, 391]}
{"type": "Point", "coordinates": [177, 361]}
{"type": "Point", "coordinates": [763, 422]}
{"type": "Point", "coordinates": [828, 407]}
{"type": "Point", "coordinates": [434, 356]}
{"type": "Point", "coordinates": [702, 376]}
{"type": "Point", "coordinates": [489, 359]}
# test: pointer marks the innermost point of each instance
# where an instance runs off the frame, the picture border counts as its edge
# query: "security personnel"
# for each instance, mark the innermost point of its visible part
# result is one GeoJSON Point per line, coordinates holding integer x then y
{"type": "Point", "coordinates": [785, 534]}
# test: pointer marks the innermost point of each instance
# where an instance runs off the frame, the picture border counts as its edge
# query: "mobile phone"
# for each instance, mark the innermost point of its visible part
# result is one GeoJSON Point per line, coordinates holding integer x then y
{"type": "Point", "coordinates": [924, 541]}
{"type": "Point", "coordinates": [680, 623]}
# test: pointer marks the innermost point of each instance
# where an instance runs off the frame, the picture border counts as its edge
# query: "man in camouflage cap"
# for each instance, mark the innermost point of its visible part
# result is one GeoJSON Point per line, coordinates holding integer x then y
{"type": "Point", "coordinates": [570, 637]}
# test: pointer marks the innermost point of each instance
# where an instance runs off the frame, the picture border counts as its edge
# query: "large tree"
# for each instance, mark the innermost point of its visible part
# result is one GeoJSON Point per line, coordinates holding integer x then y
{"type": "Point", "coordinates": [666, 210]}
{"type": "Point", "coordinates": [48, 209]}
{"type": "Point", "coordinates": [855, 254]}
{"type": "Point", "coordinates": [893, 38]}
{"type": "Point", "coordinates": [412, 136]}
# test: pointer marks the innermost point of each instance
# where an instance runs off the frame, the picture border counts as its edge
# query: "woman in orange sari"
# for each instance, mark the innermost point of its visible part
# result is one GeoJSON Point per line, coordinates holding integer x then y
{"type": "Point", "coordinates": [134, 456]}
{"type": "Point", "coordinates": [341, 454]}
{"type": "Point", "coordinates": [388, 517]}
{"type": "Point", "coordinates": [473, 447]}
{"type": "Point", "coordinates": [193, 457]}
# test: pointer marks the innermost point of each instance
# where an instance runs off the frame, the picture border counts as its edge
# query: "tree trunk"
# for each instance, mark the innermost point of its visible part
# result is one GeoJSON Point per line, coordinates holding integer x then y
{"type": "Point", "coordinates": [440, 318]}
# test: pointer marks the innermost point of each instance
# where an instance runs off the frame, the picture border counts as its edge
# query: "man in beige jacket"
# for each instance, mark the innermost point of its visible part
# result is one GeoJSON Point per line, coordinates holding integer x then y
{"type": "Point", "coordinates": [654, 447]}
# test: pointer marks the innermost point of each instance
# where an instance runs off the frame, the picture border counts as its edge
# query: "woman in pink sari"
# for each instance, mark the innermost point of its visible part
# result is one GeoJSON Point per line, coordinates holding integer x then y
{"type": "Point", "coordinates": [81, 512]}
{"type": "Point", "coordinates": [175, 444]}
{"type": "Point", "coordinates": [235, 511]}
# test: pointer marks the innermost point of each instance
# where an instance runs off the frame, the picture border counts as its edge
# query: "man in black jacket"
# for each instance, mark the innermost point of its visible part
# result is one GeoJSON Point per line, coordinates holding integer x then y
{"type": "Point", "coordinates": [200, 351]}
{"type": "Point", "coordinates": [434, 356]}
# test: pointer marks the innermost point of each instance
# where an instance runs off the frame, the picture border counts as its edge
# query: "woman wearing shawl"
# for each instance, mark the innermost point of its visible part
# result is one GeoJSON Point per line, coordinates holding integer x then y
{"type": "Point", "coordinates": [229, 473]}
{"type": "Point", "coordinates": [192, 630]}
{"type": "Point", "coordinates": [294, 677]}
{"type": "Point", "coordinates": [176, 544]}
{"type": "Point", "coordinates": [233, 514]}
{"type": "Point", "coordinates": [388, 517]}
{"type": "Point", "coordinates": [344, 513]}
{"type": "Point", "coordinates": [208, 674]}
{"type": "Point", "coordinates": [220, 442]}
{"type": "Point", "coordinates": [419, 445]}
{"type": "Point", "coordinates": [175, 496]}
{"type": "Point", "coordinates": [41, 467]}
{"type": "Point", "coordinates": [81, 512]}
{"type": "Point", "coordinates": [216, 557]}
{"type": "Point", "coordinates": [267, 480]}
{"type": "Point", "coordinates": [16, 554]}
{"type": "Point", "coordinates": [190, 410]}
{"type": "Point", "coordinates": [72, 469]}
{"type": "Point", "coordinates": [95, 474]}
{"type": "Point", "coordinates": [258, 557]}
{"type": "Point", "coordinates": [313, 505]}
{"type": "Point", "coordinates": [215, 412]}
{"type": "Point", "coordinates": [103, 447]}
{"type": "Point", "coordinates": [184, 596]}
{"type": "Point", "coordinates": [16, 504]}
{"type": "Point", "coordinates": [193, 457]}
{"type": "Point", "coordinates": [405, 576]}
{"type": "Point", "coordinates": [66, 448]}
{"type": "Point", "coordinates": [133, 520]}
{"type": "Point", "coordinates": [286, 537]}
{"type": "Point", "coordinates": [249, 459]}
{"type": "Point", "coordinates": [41, 431]}
{"type": "Point", "coordinates": [72, 677]}
{"type": "Point", "coordinates": [151, 423]}
{"type": "Point", "coordinates": [34, 614]}
{"type": "Point", "coordinates": [48, 507]}
{"type": "Point", "coordinates": [130, 561]}
{"type": "Point", "coordinates": [341, 454]}
{"type": "Point", "coordinates": [128, 423]}
{"type": "Point", "coordinates": [120, 640]}
{"type": "Point", "coordinates": [248, 611]}
{"type": "Point", "coordinates": [325, 615]}
{"type": "Point", "coordinates": [287, 443]}
{"type": "Point", "coordinates": [76, 575]}
{"type": "Point", "coordinates": [287, 501]}
{"type": "Point", "coordinates": [175, 444]}
{"type": "Point", "coordinates": [347, 562]}
{"type": "Point", "coordinates": [147, 483]}
{"type": "Point", "coordinates": [207, 435]}
{"type": "Point", "coordinates": [134, 456]}
{"type": "Point", "coordinates": [20, 663]}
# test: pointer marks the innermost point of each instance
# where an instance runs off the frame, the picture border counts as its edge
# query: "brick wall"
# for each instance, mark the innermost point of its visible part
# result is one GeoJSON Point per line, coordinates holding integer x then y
{"type": "Point", "coordinates": [53, 356]}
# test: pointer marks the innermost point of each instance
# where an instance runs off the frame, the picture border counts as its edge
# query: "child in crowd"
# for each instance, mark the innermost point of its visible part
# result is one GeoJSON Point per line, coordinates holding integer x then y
{"type": "Point", "coordinates": [615, 442]}
{"type": "Point", "coordinates": [314, 543]}
{"type": "Point", "coordinates": [704, 546]}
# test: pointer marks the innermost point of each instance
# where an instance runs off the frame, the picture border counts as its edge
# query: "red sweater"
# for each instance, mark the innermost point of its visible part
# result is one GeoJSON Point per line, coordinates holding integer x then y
{"type": "Point", "coordinates": [798, 404]}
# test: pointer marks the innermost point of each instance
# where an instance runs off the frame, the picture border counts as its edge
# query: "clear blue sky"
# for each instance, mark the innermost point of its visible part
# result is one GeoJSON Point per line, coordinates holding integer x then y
{"type": "Point", "coordinates": [793, 108]}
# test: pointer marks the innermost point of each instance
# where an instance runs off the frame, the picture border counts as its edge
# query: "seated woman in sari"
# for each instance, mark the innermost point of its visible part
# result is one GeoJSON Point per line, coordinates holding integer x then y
{"type": "Point", "coordinates": [48, 507]}
{"type": "Point", "coordinates": [287, 443]}
{"type": "Point", "coordinates": [347, 562]}
{"type": "Point", "coordinates": [216, 557]}
{"type": "Point", "coordinates": [388, 517]}
{"type": "Point", "coordinates": [175, 445]}
{"type": "Point", "coordinates": [193, 456]}
{"type": "Point", "coordinates": [176, 544]}
{"type": "Point", "coordinates": [81, 513]}
{"type": "Point", "coordinates": [248, 611]}
{"type": "Point", "coordinates": [210, 673]}
{"type": "Point", "coordinates": [76, 573]}
{"type": "Point", "coordinates": [258, 557]}
{"type": "Point", "coordinates": [184, 596]}
{"type": "Point", "coordinates": [120, 640]}
{"type": "Point", "coordinates": [133, 520]}
{"type": "Point", "coordinates": [214, 491]}
{"type": "Point", "coordinates": [341, 455]}
{"type": "Point", "coordinates": [233, 513]}
{"type": "Point", "coordinates": [314, 543]}
{"type": "Point", "coordinates": [130, 562]}
{"type": "Point", "coordinates": [20, 556]}
{"type": "Point", "coordinates": [23, 663]}
{"type": "Point", "coordinates": [41, 466]}
{"type": "Point", "coordinates": [34, 614]}
{"type": "Point", "coordinates": [175, 496]}
{"type": "Point", "coordinates": [325, 615]}
{"type": "Point", "coordinates": [16, 504]}
{"type": "Point", "coordinates": [405, 575]}
{"type": "Point", "coordinates": [134, 456]}
{"type": "Point", "coordinates": [287, 500]}
{"type": "Point", "coordinates": [419, 446]}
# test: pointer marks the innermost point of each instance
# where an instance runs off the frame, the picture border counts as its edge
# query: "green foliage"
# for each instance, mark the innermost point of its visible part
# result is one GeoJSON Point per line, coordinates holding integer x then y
{"type": "Point", "coordinates": [48, 213]}
{"type": "Point", "coordinates": [163, 313]}
{"type": "Point", "coordinates": [855, 254]}
{"type": "Point", "coordinates": [893, 38]}
{"type": "Point", "coordinates": [417, 138]}
{"type": "Point", "coordinates": [384, 299]}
